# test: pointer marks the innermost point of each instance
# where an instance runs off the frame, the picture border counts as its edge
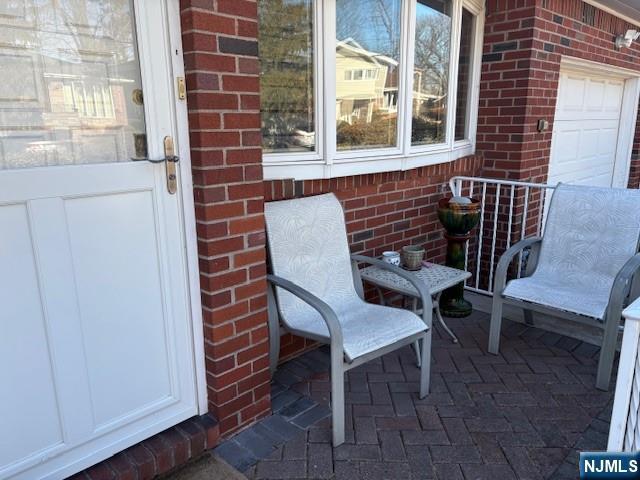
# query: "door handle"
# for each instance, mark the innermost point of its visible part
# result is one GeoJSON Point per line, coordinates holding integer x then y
{"type": "Point", "coordinates": [170, 160]}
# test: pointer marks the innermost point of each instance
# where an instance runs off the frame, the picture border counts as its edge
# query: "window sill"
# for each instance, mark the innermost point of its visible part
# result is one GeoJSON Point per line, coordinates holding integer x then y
{"type": "Point", "coordinates": [279, 169]}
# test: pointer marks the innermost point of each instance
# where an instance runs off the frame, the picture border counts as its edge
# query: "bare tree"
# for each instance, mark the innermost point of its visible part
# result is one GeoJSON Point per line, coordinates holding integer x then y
{"type": "Point", "coordinates": [432, 52]}
{"type": "Point", "coordinates": [375, 24]}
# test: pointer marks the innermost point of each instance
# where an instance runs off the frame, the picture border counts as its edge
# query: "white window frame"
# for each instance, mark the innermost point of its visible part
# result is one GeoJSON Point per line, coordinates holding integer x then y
{"type": "Point", "coordinates": [326, 161]}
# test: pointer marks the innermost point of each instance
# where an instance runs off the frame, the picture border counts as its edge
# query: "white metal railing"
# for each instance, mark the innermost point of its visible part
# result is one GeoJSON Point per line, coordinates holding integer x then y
{"type": "Point", "coordinates": [509, 212]}
{"type": "Point", "coordinates": [624, 431]}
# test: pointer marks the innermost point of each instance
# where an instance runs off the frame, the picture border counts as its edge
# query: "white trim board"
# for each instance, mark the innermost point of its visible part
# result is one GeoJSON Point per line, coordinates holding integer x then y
{"type": "Point", "coordinates": [591, 67]}
{"type": "Point", "coordinates": [188, 208]}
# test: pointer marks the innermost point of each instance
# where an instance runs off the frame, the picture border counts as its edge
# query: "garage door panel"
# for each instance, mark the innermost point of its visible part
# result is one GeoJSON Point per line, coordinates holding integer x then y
{"type": "Point", "coordinates": [578, 167]}
{"type": "Point", "coordinates": [602, 179]}
{"type": "Point", "coordinates": [607, 143]}
{"type": "Point", "coordinates": [613, 97]}
{"type": "Point", "coordinates": [584, 115]}
{"type": "Point", "coordinates": [588, 146]}
{"type": "Point", "coordinates": [568, 145]}
{"type": "Point", "coordinates": [574, 168]}
{"type": "Point", "coordinates": [572, 94]}
{"type": "Point", "coordinates": [29, 418]}
{"type": "Point", "coordinates": [594, 98]}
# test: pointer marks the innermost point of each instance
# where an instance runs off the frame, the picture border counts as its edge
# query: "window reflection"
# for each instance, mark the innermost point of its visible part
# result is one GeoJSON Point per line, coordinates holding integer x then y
{"type": "Point", "coordinates": [286, 82]}
{"type": "Point", "coordinates": [70, 77]}
{"type": "Point", "coordinates": [367, 72]}
{"type": "Point", "coordinates": [464, 74]}
{"type": "Point", "coordinates": [431, 72]}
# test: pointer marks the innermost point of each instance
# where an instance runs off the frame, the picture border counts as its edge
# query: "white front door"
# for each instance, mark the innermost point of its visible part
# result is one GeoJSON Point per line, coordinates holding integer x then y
{"type": "Point", "coordinates": [585, 131]}
{"type": "Point", "coordinates": [96, 350]}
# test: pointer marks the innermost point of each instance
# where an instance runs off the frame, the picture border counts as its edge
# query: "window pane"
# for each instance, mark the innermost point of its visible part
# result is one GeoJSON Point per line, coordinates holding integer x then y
{"type": "Point", "coordinates": [368, 43]}
{"type": "Point", "coordinates": [71, 91]}
{"type": "Point", "coordinates": [431, 72]}
{"type": "Point", "coordinates": [464, 74]}
{"type": "Point", "coordinates": [286, 81]}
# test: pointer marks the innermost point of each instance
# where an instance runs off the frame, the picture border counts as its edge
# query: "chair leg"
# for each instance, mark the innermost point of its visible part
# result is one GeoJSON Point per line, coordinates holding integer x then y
{"type": "Point", "coordinates": [425, 364]}
{"type": "Point", "coordinates": [496, 324]}
{"type": "Point", "coordinates": [416, 349]}
{"type": "Point", "coordinates": [337, 397]}
{"type": "Point", "coordinates": [274, 330]}
{"type": "Point", "coordinates": [607, 352]}
{"type": "Point", "coordinates": [528, 317]}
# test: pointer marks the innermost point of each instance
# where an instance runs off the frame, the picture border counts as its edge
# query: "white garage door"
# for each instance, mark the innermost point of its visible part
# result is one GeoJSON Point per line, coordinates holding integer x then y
{"type": "Point", "coordinates": [585, 131]}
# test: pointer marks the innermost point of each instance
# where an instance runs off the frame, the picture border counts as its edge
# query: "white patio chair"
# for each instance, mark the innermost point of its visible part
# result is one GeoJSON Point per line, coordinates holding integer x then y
{"type": "Point", "coordinates": [583, 267]}
{"type": "Point", "coordinates": [319, 295]}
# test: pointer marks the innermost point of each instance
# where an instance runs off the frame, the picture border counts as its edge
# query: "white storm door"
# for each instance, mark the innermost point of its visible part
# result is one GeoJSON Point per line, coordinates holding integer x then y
{"type": "Point", "coordinates": [96, 350]}
{"type": "Point", "coordinates": [585, 130]}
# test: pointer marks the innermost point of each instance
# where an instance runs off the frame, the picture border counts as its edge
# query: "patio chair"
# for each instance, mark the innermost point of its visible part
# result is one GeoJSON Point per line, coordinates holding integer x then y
{"type": "Point", "coordinates": [582, 269]}
{"type": "Point", "coordinates": [315, 292]}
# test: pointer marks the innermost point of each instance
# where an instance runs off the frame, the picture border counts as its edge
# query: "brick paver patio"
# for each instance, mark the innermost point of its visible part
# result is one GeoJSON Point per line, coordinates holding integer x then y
{"type": "Point", "coordinates": [522, 414]}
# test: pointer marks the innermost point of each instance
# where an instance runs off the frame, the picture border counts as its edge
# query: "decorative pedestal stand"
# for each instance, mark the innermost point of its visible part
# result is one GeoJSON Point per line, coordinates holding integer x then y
{"type": "Point", "coordinates": [458, 220]}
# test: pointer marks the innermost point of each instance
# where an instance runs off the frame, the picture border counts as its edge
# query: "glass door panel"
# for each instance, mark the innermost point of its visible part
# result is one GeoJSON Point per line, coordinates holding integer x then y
{"type": "Point", "coordinates": [71, 90]}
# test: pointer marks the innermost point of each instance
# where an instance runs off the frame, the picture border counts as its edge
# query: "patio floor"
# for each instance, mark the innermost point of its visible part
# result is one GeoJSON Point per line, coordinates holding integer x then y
{"type": "Point", "coordinates": [522, 414]}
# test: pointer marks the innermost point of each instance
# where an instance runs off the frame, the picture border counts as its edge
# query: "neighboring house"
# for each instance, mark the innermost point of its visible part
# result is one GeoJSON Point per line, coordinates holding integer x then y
{"type": "Point", "coordinates": [361, 83]}
{"type": "Point", "coordinates": [132, 300]}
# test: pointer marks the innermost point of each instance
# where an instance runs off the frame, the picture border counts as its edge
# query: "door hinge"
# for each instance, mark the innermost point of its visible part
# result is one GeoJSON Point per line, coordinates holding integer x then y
{"type": "Point", "coordinates": [182, 88]}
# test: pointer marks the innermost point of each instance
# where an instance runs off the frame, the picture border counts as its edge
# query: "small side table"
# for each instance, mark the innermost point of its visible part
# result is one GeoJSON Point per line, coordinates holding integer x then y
{"type": "Point", "coordinates": [437, 278]}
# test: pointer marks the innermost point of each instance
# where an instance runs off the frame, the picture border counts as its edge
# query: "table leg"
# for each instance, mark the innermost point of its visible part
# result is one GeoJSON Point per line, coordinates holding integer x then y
{"type": "Point", "coordinates": [381, 296]}
{"type": "Point", "coordinates": [416, 344]}
{"type": "Point", "coordinates": [436, 308]}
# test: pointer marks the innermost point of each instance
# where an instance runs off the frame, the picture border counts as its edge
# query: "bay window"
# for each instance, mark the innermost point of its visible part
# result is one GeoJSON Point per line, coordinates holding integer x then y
{"type": "Point", "coordinates": [287, 101]}
{"type": "Point", "coordinates": [361, 86]}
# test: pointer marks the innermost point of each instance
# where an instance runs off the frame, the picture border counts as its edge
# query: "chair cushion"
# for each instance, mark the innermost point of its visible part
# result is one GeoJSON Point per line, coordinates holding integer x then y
{"type": "Point", "coordinates": [365, 327]}
{"type": "Point", "coordinates": [308, 246]}
{"type": "Point", "coordinates": [545, 291]}
{"type": "Point", "coordinates": [589, 235]}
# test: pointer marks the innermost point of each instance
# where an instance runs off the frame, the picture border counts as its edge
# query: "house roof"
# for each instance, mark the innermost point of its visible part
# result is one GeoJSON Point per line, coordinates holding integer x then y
{"type": "Point", "coordinates": [353, 46]}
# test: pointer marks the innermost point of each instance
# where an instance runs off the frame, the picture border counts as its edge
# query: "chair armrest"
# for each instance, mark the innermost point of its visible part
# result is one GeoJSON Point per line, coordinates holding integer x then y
{"type": "Point", "coordinates": [507, 257]}
{"type": "Point", "coordinates": [419, 285]}
{"type": "Point", "coordinates": [327, 313]}
{"type": "Point", "coordinates": [620, 284]}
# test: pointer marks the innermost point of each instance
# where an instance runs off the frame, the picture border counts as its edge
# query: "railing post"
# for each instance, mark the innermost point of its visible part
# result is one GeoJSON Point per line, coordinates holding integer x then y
{"type": "Point", "coordinates": [624, 431]}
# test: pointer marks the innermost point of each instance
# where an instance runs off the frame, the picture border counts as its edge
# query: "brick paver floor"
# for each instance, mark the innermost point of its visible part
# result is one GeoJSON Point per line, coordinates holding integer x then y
{"type": "Point", "coordinates": [522, 414]}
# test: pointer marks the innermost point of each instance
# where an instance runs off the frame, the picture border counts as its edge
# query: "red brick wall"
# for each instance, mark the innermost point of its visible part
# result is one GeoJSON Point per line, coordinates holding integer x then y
{"type": "Point", "coordinates": [383, 211]}
{"type": "Point", "coordinates": [220, 52]}
{"type": "Point", "coordinates": [504, 131]}
{"type": "Point", "coordinates": [524, 42]}
{"type": "Point", "coordinates": [523, 45]}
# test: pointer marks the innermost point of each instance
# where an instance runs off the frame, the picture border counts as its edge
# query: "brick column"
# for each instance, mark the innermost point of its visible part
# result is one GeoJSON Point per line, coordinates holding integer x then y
{"type": "Point", "coordinates": [222, 73]}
